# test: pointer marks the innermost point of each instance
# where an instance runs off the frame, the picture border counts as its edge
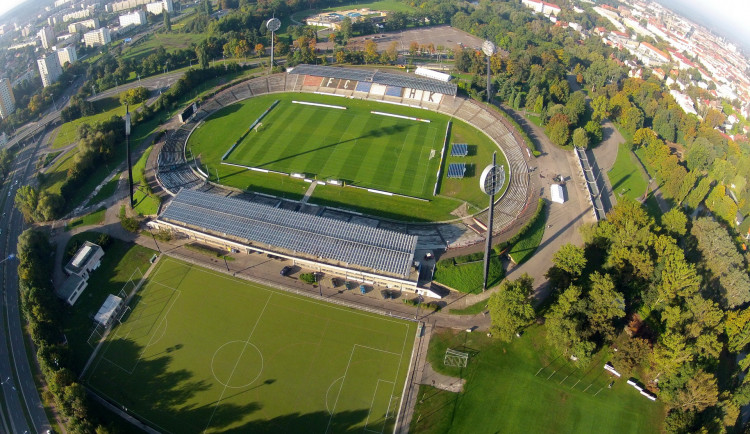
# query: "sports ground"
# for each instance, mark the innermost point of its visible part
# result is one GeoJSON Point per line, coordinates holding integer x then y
{"type": "Point", "coordinates": [363, 149]}
{"type": "Point", "coordinates": [205, 352]}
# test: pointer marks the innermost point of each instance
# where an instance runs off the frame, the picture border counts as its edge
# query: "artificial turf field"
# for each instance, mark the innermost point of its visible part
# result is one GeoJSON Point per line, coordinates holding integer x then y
{"type": "Point", "coordinates": [205, 352]}
{"type": "Point", "coordinates": [364, 149]}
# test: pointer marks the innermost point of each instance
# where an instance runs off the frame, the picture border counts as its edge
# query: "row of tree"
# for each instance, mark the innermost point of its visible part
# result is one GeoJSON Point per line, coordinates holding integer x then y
{"type": "Point", "coordinates": [43, 314]}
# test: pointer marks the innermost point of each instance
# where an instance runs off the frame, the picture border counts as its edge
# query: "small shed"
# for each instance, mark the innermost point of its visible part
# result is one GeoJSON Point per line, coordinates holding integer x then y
{"type": "Point", "coordinates": [109, 307]}
{"type": "Point", "coordinates": [557, 193]}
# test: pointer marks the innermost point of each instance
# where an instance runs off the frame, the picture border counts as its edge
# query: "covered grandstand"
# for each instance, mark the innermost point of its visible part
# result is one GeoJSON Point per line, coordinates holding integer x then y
{"type": "Point", "coordinates": [175, 172]}
{"type": "Point", "coordinates": [353, 251]}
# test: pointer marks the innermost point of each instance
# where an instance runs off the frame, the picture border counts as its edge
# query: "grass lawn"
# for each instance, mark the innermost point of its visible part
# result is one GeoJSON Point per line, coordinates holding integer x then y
{"type": "Point", "coordinates": [145, 203]}
{"type": "Point", "coordinates": [506, 392]}
{"type": "Point", "coordinates": [536, 120]}
{"type": "Point", "coordinates": [93, 218]}
{"type": "Point", "coordinates": [119, 261]}
{"type": "Point", "coordinates": [106, 191]}
{"type": "Point", "coordinates": [468, 276]}
{"type": "Point", "coordinates": [372, 151]}
{"type": "Point", "coordinates": [57, 174]}
{"type": "Point", "coordinates": [627, 176]}
{"type": "Point", "coordinates": [524, 249]}
{"type": "Point", "coordinates": [473, 309]}
{"type": "Point", "coordinates": [106, 108]}
{"type": "Point", "coordinates": [170, 41]}
{"type": "Point", "coordinates": [214, 353]}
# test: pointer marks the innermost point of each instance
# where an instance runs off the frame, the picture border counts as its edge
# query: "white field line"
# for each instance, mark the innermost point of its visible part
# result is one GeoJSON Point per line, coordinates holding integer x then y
{"type": "Point", "coordinates": [229, 380]}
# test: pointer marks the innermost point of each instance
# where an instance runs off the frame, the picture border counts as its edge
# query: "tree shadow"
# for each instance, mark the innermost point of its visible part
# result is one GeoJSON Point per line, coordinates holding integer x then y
{"type": "Point", "coordinates": [340, 422]}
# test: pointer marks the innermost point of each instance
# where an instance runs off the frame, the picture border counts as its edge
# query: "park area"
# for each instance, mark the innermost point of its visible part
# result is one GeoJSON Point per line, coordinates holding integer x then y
{"type": "Point", "coordinates": [205, 352]}
{"type": "Point", "coordinates": [394, 150]}
{"type": "Point", "coordinates": [522, 387]}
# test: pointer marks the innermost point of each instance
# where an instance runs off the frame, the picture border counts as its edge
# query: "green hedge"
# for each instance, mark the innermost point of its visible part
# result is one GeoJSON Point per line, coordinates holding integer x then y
{"type": "Point", "coordinates": [427, 306]}
{"type": "Point", "coordinates": [308, 278]}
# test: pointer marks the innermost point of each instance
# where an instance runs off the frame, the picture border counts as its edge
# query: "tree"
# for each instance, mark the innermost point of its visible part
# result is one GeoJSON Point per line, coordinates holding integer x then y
{"type": "Point", "coordinates": [568, 265]}
{"type": "Point", "coordinates": [371, 51]}
{"type": "Point", "coordinates": [26, 201]}
{"type": "Point", "coordinates": [564, 326]}
{"type": "Point", "coordinates": [580, 138]}
{"type": "Point", "coordinates": [700, 155]}
{"type": "Point", "coordinates": [167, 21]}
{"type": "Point", "coordinates": [600, 107]}
{"type": "Point", "coordinates": [696, 196]}
{"type": "Point", "coordinates": [594, 130]}
{"type": "Point", "coordinates": [604, 306]}
{"type": "Point", "coordinates": [631, 354]}
{"type": "Point", "coordinates": [201, 51]}
{"type": "Point", "coordinates": [510, 308]}
{"type": "Point", "coordinates": [632, 119]}
{"type": "Point", "coordinates": [558, 129]}
{"type": "Point", "coordinates": [345, 30]}
{"type": "Point", "coordinates": [737, 329]}
{"type": "Point", "coordinates": [575, 107]}
{"type": "Point", "coordinates": [207, 7]}
{"type": "Point", "coordinates": [674, 222]}
{"type": "Point", "coordinates": [260, 50]}
{"type": "Point", "coordinates": [699, 393]}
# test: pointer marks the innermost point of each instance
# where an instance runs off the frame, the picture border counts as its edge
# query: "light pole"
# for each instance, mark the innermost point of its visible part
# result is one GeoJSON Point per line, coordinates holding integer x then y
{"type": "Point", "coordinates": [273, 25]}
{"type": "Point", "coordinates": [419, 303]}
{"type": "Point", "coordinates": [492, 179]}
{"type": "Point", "coordinates": [489, 49]}
{"type": "Point", "coordinates": [127, 148]}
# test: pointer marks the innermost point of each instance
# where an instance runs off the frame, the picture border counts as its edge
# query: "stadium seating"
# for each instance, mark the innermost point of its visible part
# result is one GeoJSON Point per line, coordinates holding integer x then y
{"type": "Point", "coordinates": [174, 172]}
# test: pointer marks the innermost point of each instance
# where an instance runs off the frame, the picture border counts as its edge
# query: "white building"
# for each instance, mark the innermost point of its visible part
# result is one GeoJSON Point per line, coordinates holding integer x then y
{"type": "Point", "coordinates": [87, 259]}
{"type": "Point", "coordinates": [47, 36]}
{"type": "Point", "coordinates": [7, 100]}
{"type": "Point", "coordinates": [77, 15]}
{"type": "Point", "coordinates": [97, 37]}
{"type": "Point", "coordinates": [49, 69]}
{"type": "Point", "coordinates": [136, 18]}
{"type": "Point", "coordinates": [83, 25]}
{"type": "Point", "coordinates": [542, 7]}
{"type": "Point", "coordinates": [124, 5]}
{"type": "Point", "coordinates": [67, 55]}
{"type": "Point", "coordinates": [157, 8]}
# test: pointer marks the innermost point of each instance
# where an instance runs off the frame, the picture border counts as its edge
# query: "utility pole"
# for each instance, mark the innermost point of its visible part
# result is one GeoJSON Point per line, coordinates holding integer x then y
{"type": "Point", "coordinates": [127, 148]}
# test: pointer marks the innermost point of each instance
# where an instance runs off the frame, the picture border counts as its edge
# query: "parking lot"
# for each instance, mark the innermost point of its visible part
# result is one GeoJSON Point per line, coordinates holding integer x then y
{"type": "Point", "coordinates": [445, 36]}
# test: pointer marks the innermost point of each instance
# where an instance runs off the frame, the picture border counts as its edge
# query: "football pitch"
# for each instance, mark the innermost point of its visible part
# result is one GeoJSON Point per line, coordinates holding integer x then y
{"type": "Point", "coordinates": [354, 145]}
{"type": "Point", "coordinates": [204, 352]}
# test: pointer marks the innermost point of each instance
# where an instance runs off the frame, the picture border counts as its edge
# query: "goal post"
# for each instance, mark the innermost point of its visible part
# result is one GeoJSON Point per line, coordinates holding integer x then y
{"type": "Point", "coordinates": [455, 358]}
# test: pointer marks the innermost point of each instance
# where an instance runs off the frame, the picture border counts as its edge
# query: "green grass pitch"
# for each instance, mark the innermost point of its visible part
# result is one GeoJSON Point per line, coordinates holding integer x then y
{"type": "Point", "coordinates": [205, 352]}
{"type": "Point", "coordinates": [368, 150]}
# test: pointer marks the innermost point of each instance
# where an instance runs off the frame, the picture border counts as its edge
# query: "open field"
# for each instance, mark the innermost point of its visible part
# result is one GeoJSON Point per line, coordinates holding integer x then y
{"type": "Point", "coordinates": [626, 176]}
{"type": "Point", "coordinates": [522, 387]}
{"type": "Point", "coordinates": [368, 150]}
{"type": "Point", "coordinates": [170, 41]}
{"type": "Point", "coordinates": [204, 352]}
{"type": "Point", "coordinates": [108, 107]}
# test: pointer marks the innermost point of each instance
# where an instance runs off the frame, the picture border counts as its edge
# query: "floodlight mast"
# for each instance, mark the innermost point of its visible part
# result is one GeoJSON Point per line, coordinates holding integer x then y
{"type": "Point", "coordinates": [488, 182]}
{"type": "Point", "coordinates": [273, 25]}
{"type": "Point", "coordinates": [127, 148]}
{"type": "Point", "coordinates": [489, 49]}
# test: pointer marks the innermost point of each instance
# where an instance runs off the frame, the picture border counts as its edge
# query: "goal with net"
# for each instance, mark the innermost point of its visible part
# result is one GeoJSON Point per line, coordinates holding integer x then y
{"type": "Point", "coordinates": [455, 358]}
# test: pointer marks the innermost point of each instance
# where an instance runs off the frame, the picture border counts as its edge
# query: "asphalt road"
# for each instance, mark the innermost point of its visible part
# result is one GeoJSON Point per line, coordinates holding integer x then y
{"type": "Point", "coordinates": [20, 395]}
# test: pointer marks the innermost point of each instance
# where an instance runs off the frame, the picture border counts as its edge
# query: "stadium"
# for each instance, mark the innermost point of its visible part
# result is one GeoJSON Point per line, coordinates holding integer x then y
{"type": "Point", "coordinates": [319, 148]}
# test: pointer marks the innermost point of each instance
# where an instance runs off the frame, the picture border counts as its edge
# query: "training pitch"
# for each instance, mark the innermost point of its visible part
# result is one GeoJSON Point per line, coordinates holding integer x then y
{"type": "Point", "coordinates": [205, 352]}
{"type": "Point", "coordinates": [362, 148]}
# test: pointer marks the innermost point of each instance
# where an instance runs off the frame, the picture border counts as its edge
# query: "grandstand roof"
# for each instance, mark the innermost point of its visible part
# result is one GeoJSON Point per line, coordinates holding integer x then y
{"type": "Point", "coordinates": [386, 78]}
{"type": "Point", "coordinates": [321, 238]}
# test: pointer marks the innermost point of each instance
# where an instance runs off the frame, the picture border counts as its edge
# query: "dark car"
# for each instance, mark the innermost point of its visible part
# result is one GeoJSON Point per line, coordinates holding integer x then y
{"type": "Point", "coordinates": [284, 271]}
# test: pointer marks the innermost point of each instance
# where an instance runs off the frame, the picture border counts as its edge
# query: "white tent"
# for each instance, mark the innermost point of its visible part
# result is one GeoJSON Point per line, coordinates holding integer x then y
{"type": "Point", "coordinates": [557, 193]}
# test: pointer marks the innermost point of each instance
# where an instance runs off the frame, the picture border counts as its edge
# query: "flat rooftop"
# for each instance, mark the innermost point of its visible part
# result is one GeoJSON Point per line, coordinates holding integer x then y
{"type": "Point", "coordinates": [311, 237]}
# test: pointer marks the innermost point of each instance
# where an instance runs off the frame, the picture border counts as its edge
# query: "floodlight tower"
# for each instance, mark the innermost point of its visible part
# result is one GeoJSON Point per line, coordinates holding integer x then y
{"type": "Point", "coordinates": [489, 49]}
{"type": "Point", "coordinates": [273, 25]}
{"type": "Point", "coordinates": [492, 179]}
{"type": "Point", "coordinates": [127, 148]}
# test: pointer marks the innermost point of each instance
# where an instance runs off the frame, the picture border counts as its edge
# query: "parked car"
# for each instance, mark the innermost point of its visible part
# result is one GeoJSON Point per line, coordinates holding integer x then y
{"type": "Point", "coordinates": [284, 271]}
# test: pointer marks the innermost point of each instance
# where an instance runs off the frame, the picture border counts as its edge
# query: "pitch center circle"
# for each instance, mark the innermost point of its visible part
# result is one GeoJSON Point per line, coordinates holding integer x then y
{"type": "Point", "coordinates": [237, 364]}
